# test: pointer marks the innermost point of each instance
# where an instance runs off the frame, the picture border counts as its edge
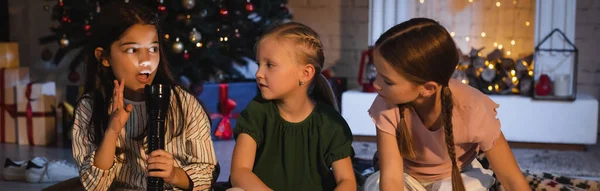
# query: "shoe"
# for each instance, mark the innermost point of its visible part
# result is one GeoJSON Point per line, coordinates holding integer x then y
{"type": "Point", "coordinates": [14, 170]}
{"type": "Point", "coordinates": [40, 170]}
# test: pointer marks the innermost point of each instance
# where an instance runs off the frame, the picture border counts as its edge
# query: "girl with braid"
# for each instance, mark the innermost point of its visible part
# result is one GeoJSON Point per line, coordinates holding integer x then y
{"type": "Point", "coordinates": [430, 127]}
{"type": "Point", "coordinates": [291, 136]}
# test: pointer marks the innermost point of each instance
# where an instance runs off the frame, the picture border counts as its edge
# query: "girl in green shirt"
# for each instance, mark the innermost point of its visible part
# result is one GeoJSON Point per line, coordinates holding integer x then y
{"type": "Point", "coordinates": [291, 136]}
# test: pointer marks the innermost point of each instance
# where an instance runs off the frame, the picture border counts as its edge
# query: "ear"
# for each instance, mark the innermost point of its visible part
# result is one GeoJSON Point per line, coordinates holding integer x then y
{"type": "Point", "coordinates": [99, 53]}
{"type": "Point", "coordinates": [429, 88]}
{"type": "Point", "coordinates": [307, 72]}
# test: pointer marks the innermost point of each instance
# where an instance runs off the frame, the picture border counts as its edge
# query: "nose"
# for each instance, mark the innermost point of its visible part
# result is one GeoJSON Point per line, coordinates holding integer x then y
{"type": "Point", "coordinates": [259, 73]}
{"type": "Point", "coordinates": [144, 58]}
{"type": "Point", "coordinates": [376, 83]}
{"type": "Point", "coordinates": [145, 64]}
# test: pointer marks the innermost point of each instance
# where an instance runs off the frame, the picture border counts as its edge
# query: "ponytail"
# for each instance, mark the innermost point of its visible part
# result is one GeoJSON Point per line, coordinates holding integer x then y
{"type": "Point", "coordinates": [447, 106]}
{"type": "Point", "coordinates": [403, 137]}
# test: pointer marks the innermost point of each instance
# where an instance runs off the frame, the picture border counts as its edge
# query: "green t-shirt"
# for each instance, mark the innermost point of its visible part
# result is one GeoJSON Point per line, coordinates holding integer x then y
{"type": "Point", "coordinates": [295, 156]}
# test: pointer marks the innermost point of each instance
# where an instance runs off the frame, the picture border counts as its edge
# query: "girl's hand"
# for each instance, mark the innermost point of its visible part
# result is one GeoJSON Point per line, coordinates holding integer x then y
{"type": "Point", "coordinates": [119, 113]}
{"type": "Point", "coordinates": [160, 164]}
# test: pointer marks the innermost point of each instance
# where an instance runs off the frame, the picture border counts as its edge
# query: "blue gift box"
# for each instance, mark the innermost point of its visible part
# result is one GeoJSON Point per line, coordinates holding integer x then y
{"type": "Point", "coordinates": [240, 92]}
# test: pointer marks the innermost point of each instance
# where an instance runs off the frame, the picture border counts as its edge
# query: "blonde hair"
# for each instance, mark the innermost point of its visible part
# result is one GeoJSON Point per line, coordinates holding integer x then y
{"type": "Point", "coordinates": [310, 51]}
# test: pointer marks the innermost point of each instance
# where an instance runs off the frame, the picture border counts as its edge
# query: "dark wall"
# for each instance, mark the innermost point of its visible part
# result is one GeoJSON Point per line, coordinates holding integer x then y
{"type": "Point", "coordinates": [4, 21]}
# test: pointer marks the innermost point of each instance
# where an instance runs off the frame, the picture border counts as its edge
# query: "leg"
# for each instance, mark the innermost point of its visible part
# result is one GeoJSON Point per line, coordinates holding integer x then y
{"type": "Point", "coordinates": [410, 183]}
{"type": "Point", "coordinates": [474, 176]}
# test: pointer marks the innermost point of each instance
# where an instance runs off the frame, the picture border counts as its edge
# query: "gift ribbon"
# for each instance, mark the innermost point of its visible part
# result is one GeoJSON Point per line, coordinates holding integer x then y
{"type": "Point", "coordinates": [226, 109]}
{"type": "Point", "coordinates": [29, 114]}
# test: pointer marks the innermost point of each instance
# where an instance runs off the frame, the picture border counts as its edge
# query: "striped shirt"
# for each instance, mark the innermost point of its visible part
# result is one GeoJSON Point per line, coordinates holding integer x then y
{"type": "Point", "coordinates": [193, 151]}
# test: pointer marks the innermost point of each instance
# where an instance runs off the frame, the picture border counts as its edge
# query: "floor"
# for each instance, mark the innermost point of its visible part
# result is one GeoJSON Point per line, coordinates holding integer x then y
{"type": "Point", "coordinates": [586, 165]}
{"type": "Point", "coordinates": [223, 150]}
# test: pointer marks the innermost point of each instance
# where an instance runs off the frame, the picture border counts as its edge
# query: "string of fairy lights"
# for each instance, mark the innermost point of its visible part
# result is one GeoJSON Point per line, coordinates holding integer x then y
{"type": "Point", "coordinates": [498, 4]}
{"type": "Point", "coordinates": [497, 23]}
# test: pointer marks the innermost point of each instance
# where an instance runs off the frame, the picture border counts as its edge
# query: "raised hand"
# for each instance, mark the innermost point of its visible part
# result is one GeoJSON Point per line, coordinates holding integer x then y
{"type": "Point", "coordinates": [118, 111]}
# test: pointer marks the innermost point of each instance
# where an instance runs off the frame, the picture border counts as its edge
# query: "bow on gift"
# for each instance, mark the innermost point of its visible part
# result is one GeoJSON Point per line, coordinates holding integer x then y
{"type": "Point", "coordinates": [226, 106]}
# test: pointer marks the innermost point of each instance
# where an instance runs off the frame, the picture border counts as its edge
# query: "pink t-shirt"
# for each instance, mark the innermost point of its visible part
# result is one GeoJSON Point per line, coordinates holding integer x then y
{"type": "Point", "coordinates": [474, 123]}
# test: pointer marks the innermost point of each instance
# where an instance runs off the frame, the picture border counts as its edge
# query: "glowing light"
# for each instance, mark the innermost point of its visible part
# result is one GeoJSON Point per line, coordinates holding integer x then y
{"type": "Point", "coordinates": [452, 33]}
{"type": "Point", "coordinates": [483, 34]}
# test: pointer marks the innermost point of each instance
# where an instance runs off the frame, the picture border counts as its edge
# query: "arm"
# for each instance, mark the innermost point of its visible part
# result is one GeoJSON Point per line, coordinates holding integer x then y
{"type": "Point", "coordinates": [118, 117]}
{"type": "Point", "coordinates": [344, 174]}
{"type": "Point", "coordinates": [505, 166]}
{"type": "Point", "coordinates": [97, 165]}
{"type": "Point", "coordinates": [84, 152]}
{"type": "Point", "coordinates": [242, 163]}
{"type": "Point", "coordinates": [390, 162]}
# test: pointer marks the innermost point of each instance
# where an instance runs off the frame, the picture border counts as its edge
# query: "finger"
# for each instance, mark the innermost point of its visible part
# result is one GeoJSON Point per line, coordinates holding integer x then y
{"type": "Point", "coordinates": [159, 174]}
{"type": "Point", "coordinates": [158, 166]}
{"type": "Point", "coordinates": [161, 152]}
{"type": "Point", "coordinates": [129, 108]}
{"type": "Point", "coordinates": [122, 88]}
{"type": "Point", "coordinates": [160, 160]}
{"type": "Point", "coordinates": [115, 95]}
{"type": "Point", "coordinates": [119, 97]}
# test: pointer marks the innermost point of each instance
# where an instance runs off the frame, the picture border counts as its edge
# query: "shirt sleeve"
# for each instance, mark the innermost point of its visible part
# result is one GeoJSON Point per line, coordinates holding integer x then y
{"type": "Point", "coordinates": [84, 150]}
{"type": "Point", "coordinates": [484, 127]}
{"type": "Point", "coordinates": [250, 120]}
{"type": "Point", "coordinates": [340, 145]}
{"type": "Point", "coordinates": [201, 162]}
{"type": "Point", "coordinates": [384, 116]}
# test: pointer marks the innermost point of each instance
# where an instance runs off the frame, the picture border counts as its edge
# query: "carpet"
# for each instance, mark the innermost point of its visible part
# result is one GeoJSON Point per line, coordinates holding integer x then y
{"type": "Point", "coordinates": [565, 163]}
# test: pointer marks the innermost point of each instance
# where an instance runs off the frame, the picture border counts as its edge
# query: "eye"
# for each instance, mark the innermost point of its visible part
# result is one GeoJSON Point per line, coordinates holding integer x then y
{"type": "Point", "coordinates": [153, 49]}
{"type": "Point", "coordinates": [270, 65]}
{"type": "Point", "coordinates": [387, 82]}
{"type": "Point", "coordinates": [131, 50]}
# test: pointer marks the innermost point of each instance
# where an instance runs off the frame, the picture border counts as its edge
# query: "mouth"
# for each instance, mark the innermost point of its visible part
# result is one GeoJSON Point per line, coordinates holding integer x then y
{"type": "Point", "coordinates": [143, 77]}
{"type": "Point", "coordinates": [262, 85]}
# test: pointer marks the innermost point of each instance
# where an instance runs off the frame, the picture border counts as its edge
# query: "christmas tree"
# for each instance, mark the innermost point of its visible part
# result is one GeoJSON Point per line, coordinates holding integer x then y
{"type": "Point", "coordinates": [202, 38]}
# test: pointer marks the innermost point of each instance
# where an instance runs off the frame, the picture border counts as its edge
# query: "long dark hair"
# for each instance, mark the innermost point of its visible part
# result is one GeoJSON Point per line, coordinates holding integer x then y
{"type": "Point", "coordinates": [421, 50]}
{"type": "Point", "coordinates": [311, 53]}
{"type": "Point", "coordinates": [109, 27]}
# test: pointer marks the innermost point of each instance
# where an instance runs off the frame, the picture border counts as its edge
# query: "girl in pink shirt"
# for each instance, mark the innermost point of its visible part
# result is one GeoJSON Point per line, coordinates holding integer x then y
{"type": "Point", "coordinates": [429, 127]}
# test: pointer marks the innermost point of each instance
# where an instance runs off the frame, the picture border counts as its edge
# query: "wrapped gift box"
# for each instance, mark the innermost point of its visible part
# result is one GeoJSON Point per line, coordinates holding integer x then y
{"type": "Point", "coordinates": [36, 116]}
{"type": "Point", "coordinates": [9, 78]}
{"type": "Point", "coordinates": [224, 102]}
{"type": "Point", "coordinates": [9, 55]}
